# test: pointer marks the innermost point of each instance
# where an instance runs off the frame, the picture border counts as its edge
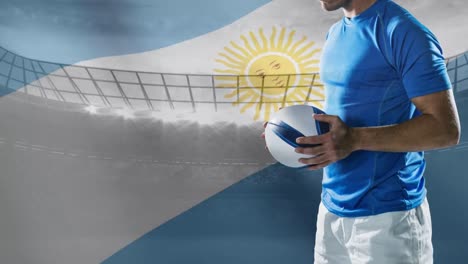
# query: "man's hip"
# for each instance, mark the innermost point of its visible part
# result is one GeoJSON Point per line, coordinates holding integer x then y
{"type": "Point", "coordinates": [403, 237]}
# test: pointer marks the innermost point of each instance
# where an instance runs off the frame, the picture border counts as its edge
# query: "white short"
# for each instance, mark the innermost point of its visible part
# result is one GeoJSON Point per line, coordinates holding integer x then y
{"type": "Point", "coordinates": [403, 237]}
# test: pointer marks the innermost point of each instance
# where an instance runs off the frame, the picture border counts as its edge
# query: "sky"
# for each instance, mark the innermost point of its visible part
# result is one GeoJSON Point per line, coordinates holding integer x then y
{"type": "Point", "coordinates": [74, 30]}
{"type": "Point", "coordinates": [68, 31]}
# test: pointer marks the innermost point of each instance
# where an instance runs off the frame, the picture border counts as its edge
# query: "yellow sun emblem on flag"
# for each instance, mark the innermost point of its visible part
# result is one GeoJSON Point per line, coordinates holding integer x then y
{"type": "Point", "coordinates": [265, 74]}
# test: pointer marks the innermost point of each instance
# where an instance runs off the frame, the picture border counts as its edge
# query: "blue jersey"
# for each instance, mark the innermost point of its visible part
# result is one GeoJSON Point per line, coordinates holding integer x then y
{"type": "Point", "coordinates": [371, 66]}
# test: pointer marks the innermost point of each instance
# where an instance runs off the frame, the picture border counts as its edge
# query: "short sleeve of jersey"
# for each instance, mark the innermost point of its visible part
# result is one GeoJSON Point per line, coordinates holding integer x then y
{"type": "Point", "coordinates": [418, 58]}
{"type": "Point", "coordinates": [330, 30]}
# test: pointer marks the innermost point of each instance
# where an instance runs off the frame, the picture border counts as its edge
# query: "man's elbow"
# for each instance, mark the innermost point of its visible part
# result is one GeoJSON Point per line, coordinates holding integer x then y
{"type": "Point", "coordinates": [453, 135]}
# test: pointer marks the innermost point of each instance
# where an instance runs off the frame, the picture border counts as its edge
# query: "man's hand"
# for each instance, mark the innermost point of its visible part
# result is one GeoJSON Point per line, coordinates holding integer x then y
{"type": "Point", "coordinates": [335, 145]}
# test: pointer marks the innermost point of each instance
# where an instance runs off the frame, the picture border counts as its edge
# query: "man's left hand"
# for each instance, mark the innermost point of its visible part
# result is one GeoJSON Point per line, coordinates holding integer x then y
{"type": "Point", "coordinates": [334, 145]}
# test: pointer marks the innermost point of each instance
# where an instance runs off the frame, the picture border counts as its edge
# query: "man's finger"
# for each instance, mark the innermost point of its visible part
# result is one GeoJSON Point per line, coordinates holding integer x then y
{"type": "Point", "coordinates": [325, 118]}
{"type": "Point", "coordinates": [319, 139]}
{"type": "Point", "coordinates": [315, 160]}
{"type": "Point", "coordinates": [317, 150]}
{"type": "Point", "coordinates": [319, 166]}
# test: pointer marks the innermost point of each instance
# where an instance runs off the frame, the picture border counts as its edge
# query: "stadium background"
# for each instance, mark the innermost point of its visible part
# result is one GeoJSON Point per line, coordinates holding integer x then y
{"type": "Point", "coordinates": [129, 131]}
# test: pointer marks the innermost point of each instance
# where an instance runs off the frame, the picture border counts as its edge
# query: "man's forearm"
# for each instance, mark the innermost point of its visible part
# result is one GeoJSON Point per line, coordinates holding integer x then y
{"type": "Point", "coordinates": [424, 132]}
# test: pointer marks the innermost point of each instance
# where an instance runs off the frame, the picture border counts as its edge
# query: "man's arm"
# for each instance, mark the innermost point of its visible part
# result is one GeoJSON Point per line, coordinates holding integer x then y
{"type": "Point", "coordinates": [438, 126]}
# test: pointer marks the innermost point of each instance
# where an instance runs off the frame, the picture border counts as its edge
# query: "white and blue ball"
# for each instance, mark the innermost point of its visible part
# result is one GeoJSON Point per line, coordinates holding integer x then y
{"type": "Point", "coordinates": [286, 126]}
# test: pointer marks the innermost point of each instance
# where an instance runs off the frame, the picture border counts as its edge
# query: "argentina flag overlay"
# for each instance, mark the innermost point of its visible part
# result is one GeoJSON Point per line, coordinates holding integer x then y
{"type": "Point", "coordinates": [130, 130]}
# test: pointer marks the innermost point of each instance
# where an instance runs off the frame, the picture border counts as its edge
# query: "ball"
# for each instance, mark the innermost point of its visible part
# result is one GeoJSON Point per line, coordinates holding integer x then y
{"type": "Point", "coordinates": [286, 126]}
